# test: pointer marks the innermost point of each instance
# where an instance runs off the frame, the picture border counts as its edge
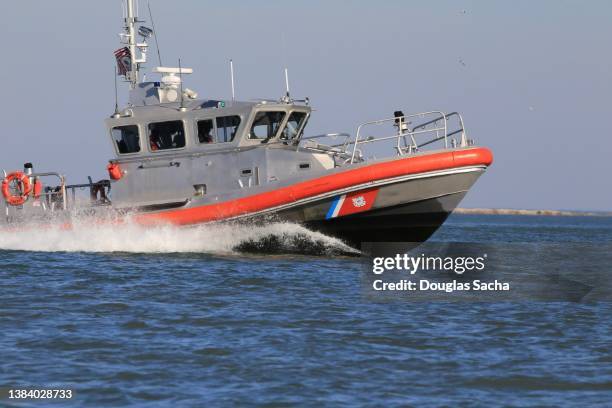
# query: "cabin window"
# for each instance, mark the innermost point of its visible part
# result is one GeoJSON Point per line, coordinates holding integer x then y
{"type": "Point", "coordinates": [126, 138]}
{"type": "Point", "coordinates": [294, 125]}
{"type": "Point", "coordinates": [166, 135]}
{"type": "Point", "coordinates": [206, 131]}
{"type": "Point", "coordinates": [266, 124]}
{"type": "Point", "coordinates": [227, 126]}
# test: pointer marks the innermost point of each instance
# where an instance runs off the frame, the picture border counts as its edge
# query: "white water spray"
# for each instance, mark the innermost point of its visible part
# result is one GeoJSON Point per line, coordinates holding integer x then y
{"type": "Point", "coordinates": [211, 238]}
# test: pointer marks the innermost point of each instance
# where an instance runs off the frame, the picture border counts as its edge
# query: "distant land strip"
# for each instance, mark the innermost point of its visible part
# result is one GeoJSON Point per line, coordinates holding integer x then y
{"type": "Point", "coordinates": [509, 211]}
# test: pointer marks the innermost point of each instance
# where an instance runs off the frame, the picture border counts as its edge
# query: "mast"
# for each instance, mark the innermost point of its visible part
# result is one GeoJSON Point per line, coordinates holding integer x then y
{"type": "Point", "coordinates": [133, 55]}
{"type": "Point", "coordinates": [130, 25]}
{"type": "Point", "coordinates": [128, 37]}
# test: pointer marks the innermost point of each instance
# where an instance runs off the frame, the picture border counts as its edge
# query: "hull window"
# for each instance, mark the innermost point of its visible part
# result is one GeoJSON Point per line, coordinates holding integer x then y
{"type": "Point", "coordinates": [227, 126]}
{"type": "Point", "coordinates": [166, 135]}
{"type": "Point", "coordinates": [126, 138]}
{"type": "Point", "coordinates": [266, 124]}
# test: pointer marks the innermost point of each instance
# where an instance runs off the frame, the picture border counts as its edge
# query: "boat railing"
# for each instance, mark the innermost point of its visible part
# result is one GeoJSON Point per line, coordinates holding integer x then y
{"type": "Point", "coordinates": [56, 195]}
{"type": "Point", "coordinates": [46, 199]}
{"type": "Point", "coordinates": [410, 138]}
{"type": "Point", "coordinates": [328, 135]}
{"type": "Point", "coordinates": [433, 128]}
{"type": "Point", "coordinates": [51, 198]}
{"type": "Point", "coordinates": [337, 145]}
{"type": "Point", "coordinates": [99, 192]}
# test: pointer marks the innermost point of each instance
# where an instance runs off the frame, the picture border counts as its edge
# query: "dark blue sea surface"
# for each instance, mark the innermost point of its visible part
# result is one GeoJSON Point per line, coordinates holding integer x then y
{"type": "Point", "coordinates": [188, 327]}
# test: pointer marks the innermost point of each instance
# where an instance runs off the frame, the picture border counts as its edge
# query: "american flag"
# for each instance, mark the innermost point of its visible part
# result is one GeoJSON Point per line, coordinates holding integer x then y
{"type": "Point", "coordinates": [124, 62]}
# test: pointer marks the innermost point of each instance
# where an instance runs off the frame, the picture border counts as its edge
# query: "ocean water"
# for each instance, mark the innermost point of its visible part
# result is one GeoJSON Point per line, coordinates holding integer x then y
{"type": "Point", "coordinates": [197, 317]}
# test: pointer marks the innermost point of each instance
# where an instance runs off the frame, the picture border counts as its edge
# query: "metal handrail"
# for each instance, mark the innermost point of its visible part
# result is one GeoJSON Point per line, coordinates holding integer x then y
{"type": "Point", "coordinates": [448, 116]}
{"type": "Point", "coordinates": [346, 142]}
{"type": "Point", "coordinates": [341, 148]}
{"type": "Point", "coordinates": [74, 187]}
{"type": "Point", "coordinates": [326, 135]}
{"type": "Point", "coordinates": [62, 185]}
{"type": "Point", "coordinates": [402, 134]}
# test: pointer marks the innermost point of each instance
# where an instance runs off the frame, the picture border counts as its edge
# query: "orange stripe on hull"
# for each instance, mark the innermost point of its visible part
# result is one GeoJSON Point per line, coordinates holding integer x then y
{"type": "Point", "coordinates": [322, 185]}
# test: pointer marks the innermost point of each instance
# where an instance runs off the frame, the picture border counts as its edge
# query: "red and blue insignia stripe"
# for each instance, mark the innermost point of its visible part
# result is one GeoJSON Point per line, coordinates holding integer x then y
{"type": "Point", "coordinates": [352, 203]}
{"type": "Point", "coordinates": [335, 207]}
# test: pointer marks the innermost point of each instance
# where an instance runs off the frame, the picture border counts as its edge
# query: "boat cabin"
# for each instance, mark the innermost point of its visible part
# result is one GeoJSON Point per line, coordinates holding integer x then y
{"type": "Point", "coordinates": [170, 153]}
{"type": "Point", "coordinates": [205, 126]}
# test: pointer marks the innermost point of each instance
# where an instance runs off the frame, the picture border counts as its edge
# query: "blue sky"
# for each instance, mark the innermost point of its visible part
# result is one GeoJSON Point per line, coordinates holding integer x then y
{"type": "Point", "coordinates": [532, 79]}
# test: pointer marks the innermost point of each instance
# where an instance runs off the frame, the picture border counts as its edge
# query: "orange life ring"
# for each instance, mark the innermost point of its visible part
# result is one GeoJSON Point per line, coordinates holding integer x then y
{"type": "Point", "coordinates": [114, 171]}
{"type": "Point", "coordinates": [23, 184]}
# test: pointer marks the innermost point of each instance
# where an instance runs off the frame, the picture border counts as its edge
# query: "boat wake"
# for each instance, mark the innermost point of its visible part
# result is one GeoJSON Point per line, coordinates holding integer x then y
{"type": "Point", "coordinates": [224, 238]}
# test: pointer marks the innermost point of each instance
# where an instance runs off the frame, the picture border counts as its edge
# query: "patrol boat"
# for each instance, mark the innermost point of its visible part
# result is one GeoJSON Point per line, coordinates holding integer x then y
{"type": "Point", "coordinates": [186, 161]}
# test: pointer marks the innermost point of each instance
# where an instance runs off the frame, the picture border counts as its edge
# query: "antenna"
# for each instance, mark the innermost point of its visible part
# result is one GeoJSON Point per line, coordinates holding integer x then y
{"type": "Point", "coordinates": [232, 76]}
{"type": "Point", "coordinates": [287, 97]}
{"type": "Point", "coordinates": [155, 36]}
{"type": "Point", "coordinates": [182, 107]}
{"type": "Point", "coordinates": [287, 84]}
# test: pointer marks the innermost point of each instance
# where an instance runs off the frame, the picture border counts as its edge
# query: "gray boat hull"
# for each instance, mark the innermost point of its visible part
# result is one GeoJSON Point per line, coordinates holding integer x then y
{"type": "Point", "coordinates": [408, 211]}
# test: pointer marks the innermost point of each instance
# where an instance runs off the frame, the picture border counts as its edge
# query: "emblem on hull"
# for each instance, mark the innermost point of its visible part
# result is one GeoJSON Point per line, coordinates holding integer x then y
{"type": "Point", "coordinates": [359, 202]}
{"type": "Point", "coordinates": [352, 203]}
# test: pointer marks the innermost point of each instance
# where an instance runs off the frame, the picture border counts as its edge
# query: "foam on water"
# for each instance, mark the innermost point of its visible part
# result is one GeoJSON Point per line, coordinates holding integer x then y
{"type": "Point", "coordinates": [211, 238]}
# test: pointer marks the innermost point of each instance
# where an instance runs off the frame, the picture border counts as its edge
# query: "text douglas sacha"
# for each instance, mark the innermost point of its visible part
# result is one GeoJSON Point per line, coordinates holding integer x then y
{"type": "Point", "coordinates": [425, 285]}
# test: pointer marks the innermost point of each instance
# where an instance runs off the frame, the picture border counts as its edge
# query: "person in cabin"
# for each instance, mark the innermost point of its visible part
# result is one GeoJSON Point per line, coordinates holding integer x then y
{"type": "Point", "coordinates": [154, 141]}
{"type": "Point", "coordinates": [122, 146]}
{"type": "Point", "coordinates": [205, 129]}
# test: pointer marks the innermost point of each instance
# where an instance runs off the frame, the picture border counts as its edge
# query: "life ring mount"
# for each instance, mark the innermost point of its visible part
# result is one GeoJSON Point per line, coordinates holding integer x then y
{"type": "Point", "coordinates": [16, 181]}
